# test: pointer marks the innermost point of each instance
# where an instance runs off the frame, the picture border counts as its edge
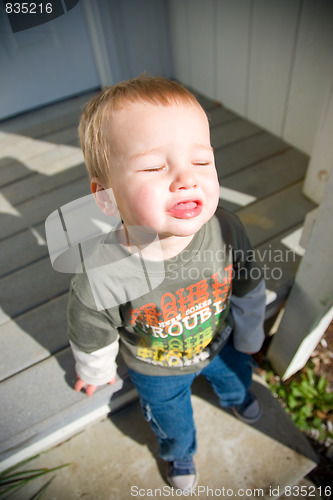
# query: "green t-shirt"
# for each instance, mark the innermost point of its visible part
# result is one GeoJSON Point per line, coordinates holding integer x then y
{"type": "Point", "coordinates": [171, 316]}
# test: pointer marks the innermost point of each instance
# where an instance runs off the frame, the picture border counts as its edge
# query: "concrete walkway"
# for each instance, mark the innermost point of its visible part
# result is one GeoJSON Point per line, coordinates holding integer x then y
{"type": "Point", "coordinates": [116, 457]}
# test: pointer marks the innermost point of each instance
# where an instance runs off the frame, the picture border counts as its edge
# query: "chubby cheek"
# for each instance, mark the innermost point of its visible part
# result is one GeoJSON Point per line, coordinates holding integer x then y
{"type": "Point", "coordinates": [146, 205]}
{"type": "Point", "coordinates": [213, 190]}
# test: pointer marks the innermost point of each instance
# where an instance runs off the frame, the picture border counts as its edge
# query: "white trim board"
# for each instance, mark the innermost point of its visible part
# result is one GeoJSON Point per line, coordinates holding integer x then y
{"type": "Point", "coordinates": [236, 197]}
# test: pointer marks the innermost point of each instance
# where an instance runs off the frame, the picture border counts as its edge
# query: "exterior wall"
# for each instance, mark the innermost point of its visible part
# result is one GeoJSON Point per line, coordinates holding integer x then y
{"type": "Point", "coordinates": [45, 63]}
{"type": "Point", "coordinates": [137, 37]}
{"type": "Point", "coordinates": [269, 61]}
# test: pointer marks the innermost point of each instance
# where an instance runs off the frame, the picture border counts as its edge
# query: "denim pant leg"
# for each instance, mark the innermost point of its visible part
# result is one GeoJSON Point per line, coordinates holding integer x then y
{"type": "Point", "coordinates": [166, 405]}
{"type": "Point", "coordinates": [230, 375]}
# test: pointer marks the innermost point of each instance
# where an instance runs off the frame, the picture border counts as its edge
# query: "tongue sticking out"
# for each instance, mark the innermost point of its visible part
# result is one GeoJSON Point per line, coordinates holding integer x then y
{"type": "Point", "coordinates": [190, 205]}
{"type": "Point", "coordinates": [186, 209]}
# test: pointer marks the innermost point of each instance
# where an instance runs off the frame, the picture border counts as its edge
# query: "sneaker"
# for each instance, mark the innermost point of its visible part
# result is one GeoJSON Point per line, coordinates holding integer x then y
{"type": "Point", "coordinates": [182, 475]}
{"type": "Point", "coordinates": [250, 411]}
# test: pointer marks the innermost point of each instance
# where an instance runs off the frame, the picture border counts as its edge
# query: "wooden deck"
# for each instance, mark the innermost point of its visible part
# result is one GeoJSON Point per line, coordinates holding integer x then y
{"type": "Point", "coordinates": [41, 170]}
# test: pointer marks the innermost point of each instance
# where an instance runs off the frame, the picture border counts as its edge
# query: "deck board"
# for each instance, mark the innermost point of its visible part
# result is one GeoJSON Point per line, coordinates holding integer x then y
{"type": "Point", "coordinates": [48, 162]}
{"type": "Point", "coordinates": [247, 152]}
{"type": "Point", "coordinates": [227, 133]}
{"type": "Point", "coordinates": [275, 255]}
{"type": "Point", "coordinates": [39, 392]}
{"type": "Point", "coordinates": [34, 185]}
{"type": "Point", "coordinates": [33, 336]}
{"type": "Point", "coordinates": [21, 147]}
{"type": "Point", "coordinates": [271, 175]}
{"type": "Point", "coordinates": [219, 115]}
{"type": "Point", "coordinates": [40, 401]}
{"type": "Point", "coordinates": [207, 103]}
{"type": "Point", "coordinates": [22, 249]}
{"type": "Point", "coordinates": [275, 215]}
{"type": "Point", "coordinates": [48, 118]}
{"type": "Point", "coordinates": [11, 171]}
{"type": "Point", "coordinates": [34, 211]}
{"type": "Point", "coordinates": [31, 286]}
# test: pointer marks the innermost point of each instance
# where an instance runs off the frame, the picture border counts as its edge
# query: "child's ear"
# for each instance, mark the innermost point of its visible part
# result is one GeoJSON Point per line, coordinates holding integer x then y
{"type": "Point", "coordinates": [104, 197]}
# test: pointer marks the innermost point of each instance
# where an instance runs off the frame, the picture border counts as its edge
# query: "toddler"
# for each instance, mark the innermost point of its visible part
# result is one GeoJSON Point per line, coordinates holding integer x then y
{"type": "Point", "coordinates": [174, 287]}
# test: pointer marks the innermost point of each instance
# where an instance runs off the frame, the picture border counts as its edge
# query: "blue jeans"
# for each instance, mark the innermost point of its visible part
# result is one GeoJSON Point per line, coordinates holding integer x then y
{"type": "Point", "coordinates": [166, 400]}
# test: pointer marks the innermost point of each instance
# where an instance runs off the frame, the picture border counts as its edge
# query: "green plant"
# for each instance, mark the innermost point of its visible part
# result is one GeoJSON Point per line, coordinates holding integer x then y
{"type": "Point", "coordinates": [12, 480]}
{"type": "Point", "coordinates": [306, 399]}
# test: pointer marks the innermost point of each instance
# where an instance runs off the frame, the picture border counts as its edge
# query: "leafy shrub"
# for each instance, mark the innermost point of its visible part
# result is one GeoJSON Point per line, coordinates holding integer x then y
{"type": "Point", "coordinates": [306, 400]}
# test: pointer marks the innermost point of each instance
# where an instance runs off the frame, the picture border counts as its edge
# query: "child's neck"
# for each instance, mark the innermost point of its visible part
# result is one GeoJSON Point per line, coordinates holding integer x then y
{"type": "Point", "coordinates": [152, 246]}
{"type": "Point", "coordinates": [174, 245]}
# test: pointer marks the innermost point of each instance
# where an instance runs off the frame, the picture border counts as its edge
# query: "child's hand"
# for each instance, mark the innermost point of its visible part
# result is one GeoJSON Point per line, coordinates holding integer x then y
{"type": "Point", "coordinates": [90, 389]}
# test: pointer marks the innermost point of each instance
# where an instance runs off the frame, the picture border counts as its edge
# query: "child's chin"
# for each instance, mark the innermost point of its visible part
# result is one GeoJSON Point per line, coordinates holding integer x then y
{"type": "Point", "coordinates": [189, 229]}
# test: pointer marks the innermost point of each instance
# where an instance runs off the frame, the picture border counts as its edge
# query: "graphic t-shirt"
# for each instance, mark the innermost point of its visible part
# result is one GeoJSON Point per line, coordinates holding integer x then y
{"type": "Point", "coordinates": [171, 316]}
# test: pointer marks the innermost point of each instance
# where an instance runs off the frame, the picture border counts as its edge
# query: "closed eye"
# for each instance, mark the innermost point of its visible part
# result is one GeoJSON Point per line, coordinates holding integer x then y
{"type": "Point", "coordinates": [201, 163]}
{"type": "Point", "coordinates": [153, 169]}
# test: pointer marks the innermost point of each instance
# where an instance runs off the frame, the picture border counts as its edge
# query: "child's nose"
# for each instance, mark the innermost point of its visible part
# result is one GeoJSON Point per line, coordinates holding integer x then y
{"type": "Point", "coordinates": [184, 180]}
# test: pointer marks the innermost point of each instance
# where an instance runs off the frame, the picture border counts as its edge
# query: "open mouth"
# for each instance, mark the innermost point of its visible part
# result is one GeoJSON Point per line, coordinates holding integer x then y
{"type": "Point", "coordinates": [186, 209]}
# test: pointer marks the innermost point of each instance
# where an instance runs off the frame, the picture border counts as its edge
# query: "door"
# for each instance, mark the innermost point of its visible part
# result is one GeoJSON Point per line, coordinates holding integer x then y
{"type": "Point", "coordinates": [45, 63]}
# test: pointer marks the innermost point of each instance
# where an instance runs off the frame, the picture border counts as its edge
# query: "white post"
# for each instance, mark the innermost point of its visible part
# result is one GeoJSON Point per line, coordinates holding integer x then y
{"type": "Point", "coordinates": [321, 162]}
{"type": "Point", "coordinates": [309, 309]}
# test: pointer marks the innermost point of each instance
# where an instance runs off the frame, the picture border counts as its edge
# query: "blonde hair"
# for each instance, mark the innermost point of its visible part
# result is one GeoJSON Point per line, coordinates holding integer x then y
{"type": "Point", "coordinates": [93, 128]}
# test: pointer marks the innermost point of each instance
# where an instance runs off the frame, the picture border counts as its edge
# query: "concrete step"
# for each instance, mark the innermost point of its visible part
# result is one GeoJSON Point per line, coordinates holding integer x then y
{"type": "Point", "coordinates": [40, 408]}
{"type": "Point", "coordinates": [116, 458]}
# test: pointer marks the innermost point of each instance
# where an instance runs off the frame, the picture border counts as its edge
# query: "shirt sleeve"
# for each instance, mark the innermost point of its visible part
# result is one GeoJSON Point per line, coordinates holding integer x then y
{"type": "Point", "coordinates": [247, 273]}
{"type": "Point", "coordinates": [93, 335]}
{"type": "Point", "coordinates": [248, 314]}
{"type": "Point", "coordinates": [248, 297]}
{"type": "Point", "coordinates": [88, 328]}
{"type": "Point", "coordinates": [96, 368]}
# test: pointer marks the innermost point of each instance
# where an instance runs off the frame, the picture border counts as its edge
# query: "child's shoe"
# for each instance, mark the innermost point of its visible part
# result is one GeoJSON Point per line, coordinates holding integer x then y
{"type": "Point", "coordinates": [250, 411]}
{"type": "Point", "coordinates": [182, 475]}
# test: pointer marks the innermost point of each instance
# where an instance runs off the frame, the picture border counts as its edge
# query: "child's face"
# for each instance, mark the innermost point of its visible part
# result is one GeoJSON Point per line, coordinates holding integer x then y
{"type": "Point", "coordinates": [162, 171]}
